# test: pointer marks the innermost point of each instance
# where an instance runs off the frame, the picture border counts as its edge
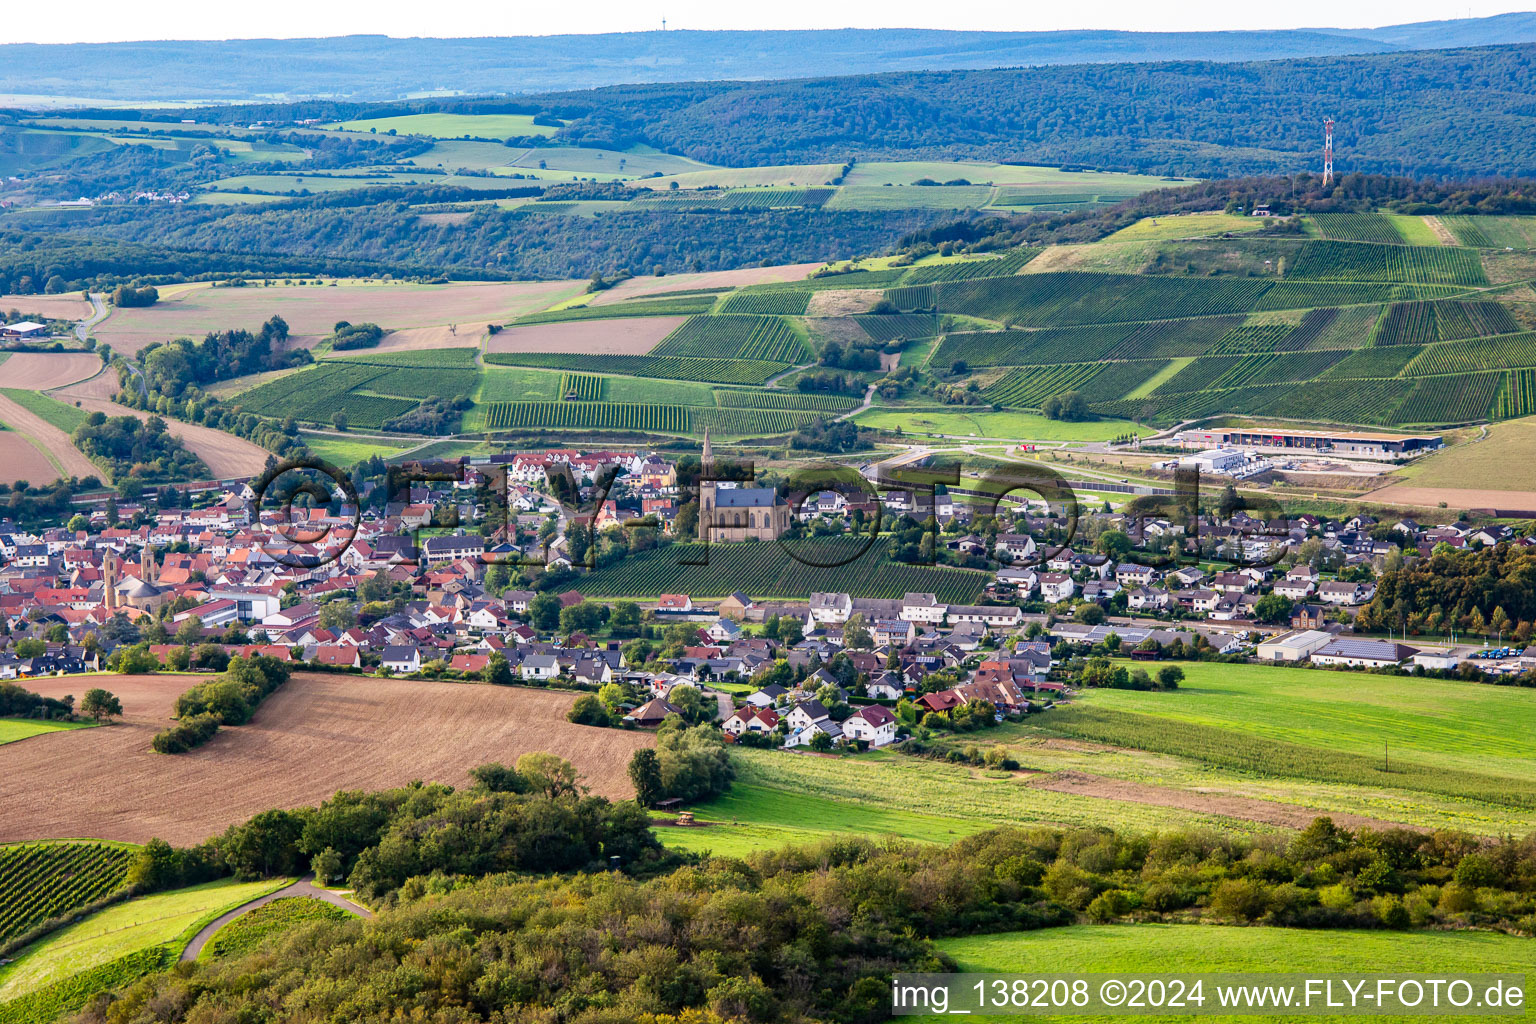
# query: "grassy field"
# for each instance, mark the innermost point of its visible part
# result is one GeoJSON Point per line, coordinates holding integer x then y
{"type": "Point", "coordinates": [985, 423]}
{"type": "Point", "coordinates": [168, 918]}
{"type": "Point", "coordinates": [1449, 725]}
{"type": "Point", "coordinates": [1501, 462]}
{"type": "Point", "coordinates": [13, 729]}
{"type": "Point", "coordinates": [905, 172]}
{"type": "Point", "coordinates": [1194, 225]}
{"type": "Point", "coordinates": [1163, 949]}
{"type": "Point", "coordinates": [342, 452]}
{"type": "Point", "coordinates": [60, 414]}
{"type": "Point", "coordinates": [780, 176]}
{"type": "Point", "coordinates": [756, 817]}
{"type": "Point", "coordinates": [451, 126]}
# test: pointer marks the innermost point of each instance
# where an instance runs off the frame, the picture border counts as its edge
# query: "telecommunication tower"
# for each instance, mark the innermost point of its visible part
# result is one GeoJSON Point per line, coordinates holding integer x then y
{"type": "Point", "coordinates": [1328, 151]}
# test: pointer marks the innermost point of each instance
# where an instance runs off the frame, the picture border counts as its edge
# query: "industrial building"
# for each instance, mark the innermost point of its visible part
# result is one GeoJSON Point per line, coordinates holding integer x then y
{"type": "Point", "coordinates": [1337, 442]}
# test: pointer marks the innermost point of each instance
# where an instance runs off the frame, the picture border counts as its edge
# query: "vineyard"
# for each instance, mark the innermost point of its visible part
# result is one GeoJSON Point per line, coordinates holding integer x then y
{"type": "Point", "coordinates": [1517, 397]}
{"type": "Point", "coordinates": [1517, 350]}
{"type": "Point", "coordinates": [1172, 339]}
{"type": "Point", "coordinates": [1414, 264]}
{"type": "Point", "coordinates": [446, 358]}
{"type": "Point", "coordinates": [753, 303]}
{"type": "Point", "coordinates": [583, 387]}
{"type": "Point", "coordinates": [1059, 298]}
{"type": "Point", "coordinates": [682, 305]}
{"type": "Point", "coordinates": [1028, 388]}
{"type": "Point", "coordinates": [766, 570]}
{"type": "Point", "coordinates": [750, 422]}
{"type": "Point", "coordinates": [1374, 362]}
{"type": "Point", "coordinates": [770, 338]}
{"type": "Point", "coordinates": [727, 399]}
{"type": "Point", "coordinates": [360, 390]}
{"type": "Point", "coordinates": [39, 881]}
{"type": "Point", "coordinates": [898, 326]}
{"type": "Point", "coordinates": [1493, 232]}
{"type": "Point", "coordinates": [965, 270]}
{"type": "Point", "coordinates": [666, 419]}
{"type": "Point", "coordinates": [708, 371]}
{"type": "Point", "coordinates": [1357, 227]}
{"type": "Point", "coordinates": [1423, 322]}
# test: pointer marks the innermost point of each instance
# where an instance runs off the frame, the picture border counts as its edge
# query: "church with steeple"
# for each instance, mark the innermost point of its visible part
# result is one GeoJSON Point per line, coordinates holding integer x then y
{"type": "Point", "coordinates": [730, 512]}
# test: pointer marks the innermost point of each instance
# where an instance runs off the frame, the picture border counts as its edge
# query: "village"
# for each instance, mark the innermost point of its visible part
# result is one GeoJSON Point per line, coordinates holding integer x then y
{"type": "Point", "coordinates": [379, 589]}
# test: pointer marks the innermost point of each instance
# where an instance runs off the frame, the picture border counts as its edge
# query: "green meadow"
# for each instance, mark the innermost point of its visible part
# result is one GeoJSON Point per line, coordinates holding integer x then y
{"type": "Point", "coordinates": [451, 126]}
{"type": "Point", "coordinates": [1164, 949]}
{"type": "Point", "coordinates": [13, 729]}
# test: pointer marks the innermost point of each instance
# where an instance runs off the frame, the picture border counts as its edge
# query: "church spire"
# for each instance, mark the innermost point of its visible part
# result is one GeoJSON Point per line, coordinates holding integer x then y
{"type": "Point", "coordinates": [709, 454]}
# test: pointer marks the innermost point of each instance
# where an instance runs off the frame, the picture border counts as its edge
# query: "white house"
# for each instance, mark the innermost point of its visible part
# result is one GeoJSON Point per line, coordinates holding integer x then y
{"type": "Point", "coordinates": [922, 608]}
{"type": "Point", "coordinates": [1014, 547]}
{"type": "Point", "coordinates": [1056, 586]}
{"type": "Point", "coordinates": [401, 659]}
{"type": "Point", "coordinates": [873, 724]}
{"type": "Point", "coordinates": [886, 686]}
{"type": "Point", "coordinates": [1346, 593]}
{"type": "Point", "coordinates": [829, 609]}
{"type": "Point", "coordinates": [539, 667]}
{"type": "Point", "coordinates": [805, 714]}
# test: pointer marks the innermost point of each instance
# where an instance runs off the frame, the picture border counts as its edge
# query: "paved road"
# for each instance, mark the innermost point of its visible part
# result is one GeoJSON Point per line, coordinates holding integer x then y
{"type": "Point", "coordinates": [303, 889]}
{"type": "Point", "coordinates": [83, 328]}
{"type": "Point", "coordinates": [869, 400]}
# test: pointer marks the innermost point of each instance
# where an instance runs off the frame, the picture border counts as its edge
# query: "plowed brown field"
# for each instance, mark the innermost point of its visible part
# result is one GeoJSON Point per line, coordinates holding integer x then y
{"type": "Point", "coordinates": [318, 734]}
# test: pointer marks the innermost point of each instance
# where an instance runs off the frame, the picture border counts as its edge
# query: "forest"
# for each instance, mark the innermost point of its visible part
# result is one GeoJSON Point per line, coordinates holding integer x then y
{"type": "Point", "coordinates": [807, 933]}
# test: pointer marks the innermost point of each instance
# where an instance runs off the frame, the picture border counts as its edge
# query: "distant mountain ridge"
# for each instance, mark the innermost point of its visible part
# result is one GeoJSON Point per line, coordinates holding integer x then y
{"type": "Point", "coordinates": [376, 68]}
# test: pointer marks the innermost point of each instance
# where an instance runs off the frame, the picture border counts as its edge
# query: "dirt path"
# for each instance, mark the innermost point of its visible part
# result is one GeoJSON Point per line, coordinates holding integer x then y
{"type": "Point", "coordinates": [50, 438]}
{"type": "Point", "coordinates": [226, 455]}
{"type": "Point", "coordinates": [302, 889]}
{"type": "Point", "coordinates": [1265, 812]}
{"type": "Point", "coordinates": [868, 403]}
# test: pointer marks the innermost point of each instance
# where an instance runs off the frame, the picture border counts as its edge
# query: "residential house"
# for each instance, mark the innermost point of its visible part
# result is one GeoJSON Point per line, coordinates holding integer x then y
{"type": "Point", "coordinates": [873, 724]}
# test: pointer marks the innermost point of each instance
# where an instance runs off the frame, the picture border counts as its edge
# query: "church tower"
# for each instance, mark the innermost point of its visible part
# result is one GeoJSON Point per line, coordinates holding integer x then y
{"type": "Point", "coordinates": [706, 486]}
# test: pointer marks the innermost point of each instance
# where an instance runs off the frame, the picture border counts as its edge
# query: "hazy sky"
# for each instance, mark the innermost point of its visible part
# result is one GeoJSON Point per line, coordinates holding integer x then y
{"type": "Point", "coordinates": [102, 21]}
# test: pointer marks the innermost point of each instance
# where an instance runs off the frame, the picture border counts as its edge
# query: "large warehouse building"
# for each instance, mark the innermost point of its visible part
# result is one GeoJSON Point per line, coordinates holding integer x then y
{"type": "Point", "coordinates": [1336, 441]}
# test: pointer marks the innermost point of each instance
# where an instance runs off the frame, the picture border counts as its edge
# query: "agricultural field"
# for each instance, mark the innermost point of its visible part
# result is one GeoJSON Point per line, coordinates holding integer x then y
{"type": "Point", "coordinates": [1194, 225]}
{"type": "Point", "coordinates": [940, 197]}
{"type": "Point", "coordinates": [41, 881]}
{"type": "Point", "coordinates": [450, 126]}
{"type": "Point", "coordinates": [780, 176]}
{"type": "Point", "coordinates": [1453, 738]}
{"type": "Point", "coordinates": [906, 172]}
{"type": "Point", "coordinates": [191, 311]}
{"type": "Point", "coordinates": [1499, 462]}
{"type": "Point", "coordinates": [163, 919]}
{"type": "Point", "coordinates": [689, 368]}
{"type": "Point", "coordinates": [1493, 232]}
{"type": "Point", "coordinates": [631, 336]}
{"type": "Point", "coordinates": [1167, 949]}
{"type": "Point", "coordinates": [13, 729]}
{"type": "Point", "coordinates": [317, 734]}
{"type": "Point", "coordinates": [342, 452]}
{"type": "Point", "coordinates": [770, 338]}
{"type": "Point", "coordinates": [956, 421]}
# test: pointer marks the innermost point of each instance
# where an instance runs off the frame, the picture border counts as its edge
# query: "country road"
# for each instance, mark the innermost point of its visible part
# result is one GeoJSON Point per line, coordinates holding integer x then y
{"type": "Point", "coordinates": [100, 313]}
{"type": "Point", "coordinates": [304, 888]}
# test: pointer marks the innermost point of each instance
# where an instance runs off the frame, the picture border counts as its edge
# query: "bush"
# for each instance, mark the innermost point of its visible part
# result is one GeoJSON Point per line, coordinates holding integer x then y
{"type": "Point", "coordinates": [184, 735]}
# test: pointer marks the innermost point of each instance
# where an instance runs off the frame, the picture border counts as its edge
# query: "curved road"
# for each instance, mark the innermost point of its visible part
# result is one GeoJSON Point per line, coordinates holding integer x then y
{"type": "Point", "coordinates": [83, 327]}
{"type": "Point", "coordinates": [303, 889]}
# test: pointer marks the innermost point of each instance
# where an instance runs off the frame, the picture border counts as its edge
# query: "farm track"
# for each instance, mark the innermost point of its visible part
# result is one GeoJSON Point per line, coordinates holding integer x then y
{"type": "Point", "coordinates": [318, 734]}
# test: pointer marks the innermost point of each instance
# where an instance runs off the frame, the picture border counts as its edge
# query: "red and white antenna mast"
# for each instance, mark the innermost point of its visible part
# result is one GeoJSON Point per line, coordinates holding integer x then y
{"type": "Point", "coordinates": [1328, 151]}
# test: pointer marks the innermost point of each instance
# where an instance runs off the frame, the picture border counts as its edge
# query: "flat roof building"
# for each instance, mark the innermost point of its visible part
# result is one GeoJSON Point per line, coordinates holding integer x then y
{"type": "Point", "coordinates": [1344, 442]}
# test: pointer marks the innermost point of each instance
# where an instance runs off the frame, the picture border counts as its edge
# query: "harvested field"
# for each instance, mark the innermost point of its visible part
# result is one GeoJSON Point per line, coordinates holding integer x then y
{"type": "Point", "coordinates": [420, 339]}
{"type": "Point", "coordinates": [845, 302]}
{"type": "Point", "coordinates": [312, 311]}
{"type": "Point", "coordinates": [636, 287]}
{"type": "Point", "coordinates": [39, 371]}
{"type": "Point", "coordinates": [625, 336]}
{"type": "Point", "coordinates": [1227, 805]}
{"type": "Point", "coordinates": [20, 459]}
{"type": "Point", "coordinates": [50, 439]}
{"type": "Point", "coordinates": [1454, 498]}
{"type": "Point", "coordinates": [54, 307]}
{"type": "Point", "coordinates": [228, 457]}
{"type": "Point", "coordinates": [318, 734]}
